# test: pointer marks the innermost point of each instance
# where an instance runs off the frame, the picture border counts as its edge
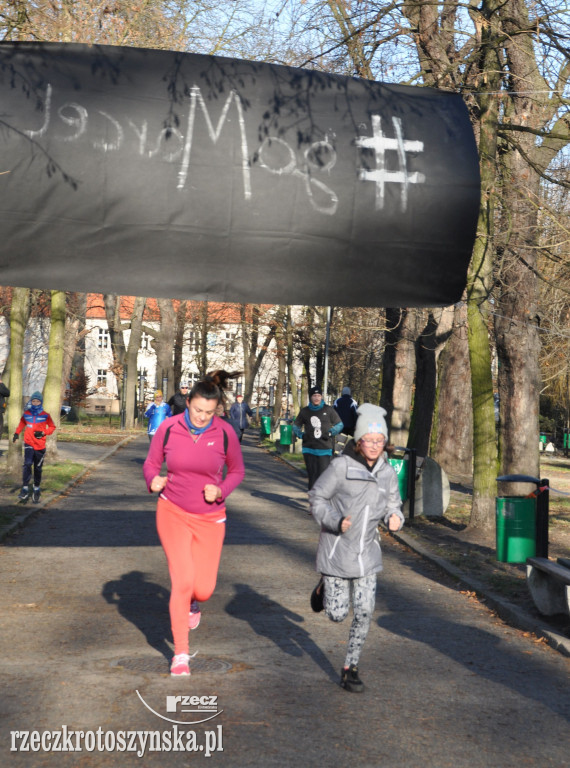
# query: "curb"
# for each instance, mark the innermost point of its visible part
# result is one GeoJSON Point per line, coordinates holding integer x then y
{"type": "Point", "coordinates": [509, 613]}
{"type": "Point", "coordinates": [300, 468]}
{"type": "Point", "coordinates": [19, 521]}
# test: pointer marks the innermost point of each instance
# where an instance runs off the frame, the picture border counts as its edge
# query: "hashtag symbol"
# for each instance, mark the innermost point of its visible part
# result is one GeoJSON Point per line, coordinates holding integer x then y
{"type": "Point", "coordinates": [380, 176]}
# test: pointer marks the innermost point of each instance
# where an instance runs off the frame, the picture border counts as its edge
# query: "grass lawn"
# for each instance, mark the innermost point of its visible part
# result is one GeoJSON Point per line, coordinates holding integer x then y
{"type": "Point", "coordinates": [55, 478]}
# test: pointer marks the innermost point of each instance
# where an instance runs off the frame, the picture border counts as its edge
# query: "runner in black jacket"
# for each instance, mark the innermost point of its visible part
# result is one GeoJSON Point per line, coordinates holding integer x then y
{"type": "Point", "coordinates": [317, 424]}
{"type": "Point", "coordinates": [346, 406]}
{"type": "Point", "coordinates": [178, 402]}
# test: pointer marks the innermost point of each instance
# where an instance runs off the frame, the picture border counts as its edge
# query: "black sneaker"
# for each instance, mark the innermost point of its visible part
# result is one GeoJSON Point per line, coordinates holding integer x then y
{"type": "Point", "coordinates": [318, 596]}
{"type": "Point", "coordinates": [350, 681]}
{"type": "Point", "coordinates": [24, 494]}
{"type": "Point", "coordinates": [36, 495]}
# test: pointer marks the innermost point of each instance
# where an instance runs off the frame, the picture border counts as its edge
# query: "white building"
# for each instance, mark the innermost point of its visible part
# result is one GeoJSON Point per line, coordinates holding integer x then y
{"type": "Point", "coordinates": [224, 349]}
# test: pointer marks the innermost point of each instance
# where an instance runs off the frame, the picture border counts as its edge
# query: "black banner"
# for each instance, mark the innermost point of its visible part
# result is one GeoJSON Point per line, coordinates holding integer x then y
{"type": "Point", "coordinates": [155, 173]}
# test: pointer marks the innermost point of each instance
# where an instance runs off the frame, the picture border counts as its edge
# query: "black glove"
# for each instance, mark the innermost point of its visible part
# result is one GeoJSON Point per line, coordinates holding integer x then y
{"type": "Point", "coordinates": [38, 434]}
{"type": "Point", "coordinates": [15, 438]}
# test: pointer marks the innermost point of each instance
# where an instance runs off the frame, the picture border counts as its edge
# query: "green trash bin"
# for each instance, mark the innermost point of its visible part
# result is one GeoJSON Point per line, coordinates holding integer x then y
{"type": "Point", "coordinates": [402, 467]}
{"type": "Point", "coordinates": [265, 426]}
{"type": "Point", "coordinates": [285, 434]}
{"type": "Point", "coordinates": [516, 528]}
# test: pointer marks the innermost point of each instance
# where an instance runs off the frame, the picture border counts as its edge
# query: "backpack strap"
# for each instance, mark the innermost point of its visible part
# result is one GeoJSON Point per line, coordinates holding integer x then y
{"type": "Point", "coordinates": [225, 440]}
{"type": "Point", "coordinates": [167, 435]}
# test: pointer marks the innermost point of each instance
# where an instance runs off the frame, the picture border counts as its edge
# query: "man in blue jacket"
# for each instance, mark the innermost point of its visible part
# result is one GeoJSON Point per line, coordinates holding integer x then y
{"type": "Point", "coordinates": [156, 413]}
{"type": "Point", "coordinates": [239, 412]}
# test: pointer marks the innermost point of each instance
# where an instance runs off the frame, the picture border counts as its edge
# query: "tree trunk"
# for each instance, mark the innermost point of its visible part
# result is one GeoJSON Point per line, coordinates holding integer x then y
{"type": "Point", "coordinates": [74, 358]}
{"type": "Point", "coordinates": [179, 343]}
{"type": "Point", "coordinates": [249, 339]}
{"type": "Point", "coordinates": [517, 341]}
{"type": "Point", "coordinates": [479, 282]}
{"type": "Point", "coordinates": [113, 314]}
{"type": "Point", "coordinates": [203, 354]}
{"type": "Point", "coordinates": [252, 355]}
{"type": "Point", "coordinates": [281, 345]}
{"type": "Point", "coordinates": [429, 345]}
{"type": "Point", "coordinates": [74, 332]}
{"type": "Point", "coordinates": [320, 330]}
{"type": "Point", "coordinates": [164, 345]}
{"type": "Point", "coordinates": [19, 314]}
{"type": "Point", "coordinates": [518, 344]}
{"type": "Point", "coordinates": [52, 386]}
{"type": "Point", "coordinates": [131, 361]}
{"type": "Point", "coordinates": [452, 438]}
{"type": "Point", "coordinates": [290, 357]}
{"type": "Point", "coordinates": [399, 371]}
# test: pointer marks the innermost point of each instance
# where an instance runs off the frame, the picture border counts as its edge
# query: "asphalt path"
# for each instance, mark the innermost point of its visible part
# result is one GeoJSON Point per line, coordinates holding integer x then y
{"type": "Point", "coordinates": [85, 640]}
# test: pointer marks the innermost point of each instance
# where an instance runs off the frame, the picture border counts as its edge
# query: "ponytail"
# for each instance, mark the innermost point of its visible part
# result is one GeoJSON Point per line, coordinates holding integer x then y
{"type": "Point", "coordinates": [213, 385]}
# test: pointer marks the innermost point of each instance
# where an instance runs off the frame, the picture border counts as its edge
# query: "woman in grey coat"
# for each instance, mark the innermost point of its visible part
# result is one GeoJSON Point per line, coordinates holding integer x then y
{"type": "Point", "coordinates": [357, 491]}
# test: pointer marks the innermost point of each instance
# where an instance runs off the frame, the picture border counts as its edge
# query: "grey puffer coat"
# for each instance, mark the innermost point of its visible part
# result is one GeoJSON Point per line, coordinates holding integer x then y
{"type": "Point", "coordinates": [348, 487]}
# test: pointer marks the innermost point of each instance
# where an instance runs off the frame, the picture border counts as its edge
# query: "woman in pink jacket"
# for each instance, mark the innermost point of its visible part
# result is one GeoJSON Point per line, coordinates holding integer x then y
{"type": "Point", "coordinates": [191, 509]}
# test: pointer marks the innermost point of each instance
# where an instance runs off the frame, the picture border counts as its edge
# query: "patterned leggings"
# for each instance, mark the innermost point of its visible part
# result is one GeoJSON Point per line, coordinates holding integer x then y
{"type": "Point", "coordinates": [337, 604]}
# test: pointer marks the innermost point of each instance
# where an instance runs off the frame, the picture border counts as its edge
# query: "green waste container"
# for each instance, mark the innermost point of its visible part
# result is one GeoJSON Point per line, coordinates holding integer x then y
{"type": "Point", "coordinates": [265, 426]}
{"type": "Point", "coordinates": [402, 467]}
{"type": "Point", "coordinates": [516, 528]}
{"type": "Point", "coordinates": [285, 434]}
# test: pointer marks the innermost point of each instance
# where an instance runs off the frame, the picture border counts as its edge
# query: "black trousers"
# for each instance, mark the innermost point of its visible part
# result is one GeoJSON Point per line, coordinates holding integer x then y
{"type": "Point", "coordinates": [35, 458]}
{"type": "Point", "coordinates": [316, 465]}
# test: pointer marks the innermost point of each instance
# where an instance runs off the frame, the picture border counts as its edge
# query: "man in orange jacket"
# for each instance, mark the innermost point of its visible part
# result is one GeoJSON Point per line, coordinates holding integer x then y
{"type": "Point", "coordinates": [37, 425]}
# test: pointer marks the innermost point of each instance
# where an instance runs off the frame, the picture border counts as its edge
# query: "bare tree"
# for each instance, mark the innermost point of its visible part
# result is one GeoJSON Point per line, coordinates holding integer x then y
{"type": "Point", "coordinates": [52, 386]}
{"type": "Point", "coordinates": [534, 130]}
{"type": "Point", "coordinates": [131, 356]}
{"type": "Point", "coordinates": [254, 350]}
{"type": "Point", "coordinates": [452, 433]}
{"type": "Point", "coordinates": [19, 314]}
{"type": "Point", "coordinates": [399, 370]}
{"type": "Point", "coordinates": [112, 304]}
{"type": "Point", "coordinates": [429, 345]}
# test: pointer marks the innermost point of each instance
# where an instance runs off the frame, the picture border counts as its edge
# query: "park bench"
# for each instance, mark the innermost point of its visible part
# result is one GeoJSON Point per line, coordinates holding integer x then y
{"type": "Point", "coordinates": [549, 584]}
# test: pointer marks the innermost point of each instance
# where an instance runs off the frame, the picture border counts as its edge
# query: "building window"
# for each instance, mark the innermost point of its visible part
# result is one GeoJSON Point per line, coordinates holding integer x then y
{"type": "Point", "coordinates": [145, 341]}
{"type": "Point", "coordinates": [103, 339]}
{"type": "Point", "coordinates": [101, 377]}
{"type": "Point", "coordinates": [230, 341]}
{"type": "Point", "coordinates": [194, 341]}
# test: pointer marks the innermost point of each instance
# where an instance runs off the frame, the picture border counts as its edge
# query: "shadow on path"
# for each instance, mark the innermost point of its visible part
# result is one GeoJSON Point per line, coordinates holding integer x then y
{"type": "Point", "coordinates": [270, 619]}
{"type": "Point", "coordinates": [479, 651]}
{"type": "Point", "coordinates": [279, 498]}
{"type": "Point", "coordinates": [144, 604]}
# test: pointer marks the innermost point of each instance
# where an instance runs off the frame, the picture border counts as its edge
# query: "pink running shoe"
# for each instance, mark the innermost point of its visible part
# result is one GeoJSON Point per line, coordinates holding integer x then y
{"type": "Point", "coordinates": [194, 615]}
{"type": "Point", "coordinates": [180, 665]}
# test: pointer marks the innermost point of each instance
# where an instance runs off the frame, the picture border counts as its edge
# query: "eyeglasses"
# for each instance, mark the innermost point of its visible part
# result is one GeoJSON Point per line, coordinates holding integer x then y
{"type": "Point", "coordinates": [374, 442]}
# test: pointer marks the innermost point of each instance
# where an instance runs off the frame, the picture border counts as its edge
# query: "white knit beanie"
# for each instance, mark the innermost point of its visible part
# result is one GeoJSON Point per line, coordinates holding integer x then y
{"type": "Point", "coordinates": [370, 421]}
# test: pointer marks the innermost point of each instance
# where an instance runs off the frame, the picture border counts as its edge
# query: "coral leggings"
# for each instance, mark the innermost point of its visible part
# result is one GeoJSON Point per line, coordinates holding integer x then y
{"type": "Point", "coordinates": [193, 546]}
